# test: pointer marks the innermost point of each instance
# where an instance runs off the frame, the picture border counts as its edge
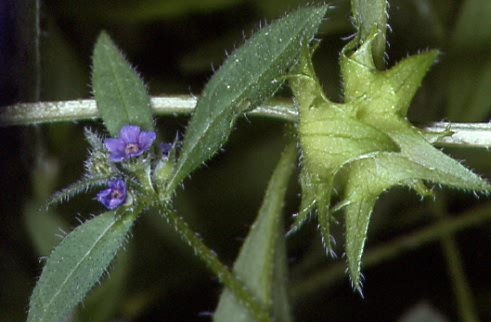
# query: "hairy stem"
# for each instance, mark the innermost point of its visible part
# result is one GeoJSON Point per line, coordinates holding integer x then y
{"type": "Point", "coordinates": [221, 271]}
{"type": "Point", "coordinates": [459, 134]}
{"type": "Point", "coordinates": [78, 110]}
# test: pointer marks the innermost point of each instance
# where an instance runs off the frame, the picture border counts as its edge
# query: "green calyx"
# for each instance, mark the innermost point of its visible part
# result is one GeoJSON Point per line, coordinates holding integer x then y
{"type": "Point", "coordinates": [365, 145]}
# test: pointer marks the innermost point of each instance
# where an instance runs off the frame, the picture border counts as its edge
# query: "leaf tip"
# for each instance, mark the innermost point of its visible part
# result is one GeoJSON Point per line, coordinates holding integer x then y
{"type": "Point", "coordinates": [356, 278]}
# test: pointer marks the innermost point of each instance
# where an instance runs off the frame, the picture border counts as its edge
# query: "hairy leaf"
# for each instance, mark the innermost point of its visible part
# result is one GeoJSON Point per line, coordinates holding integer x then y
{"type": "Point", "coordinates": [76, 265]}
{"type": "Point", "coordinates": [367, 144]}
{"type": "Point", "coordinates": [261, 264]}
{"type": "Point", "coordinates": [119, 92]}
{"type": "Point", "coordinates": [76, 188]}
{"type": "Point", "coordinates": [382, 100]}
{"type": "Point", "coordinates": [388, 92]}
{"type": "Point", "coordinates": [372, 15]}
{"type": "Point", "coordinates": [368, 178]}
{"type": "Point", "coordinates": [330, 136]}
{"type": "Point", "coordinates": [104, 302]}
{"type": "Point", "coordinates": [307, 203]}
{"type": "Point", "coordinates": [249, 76]}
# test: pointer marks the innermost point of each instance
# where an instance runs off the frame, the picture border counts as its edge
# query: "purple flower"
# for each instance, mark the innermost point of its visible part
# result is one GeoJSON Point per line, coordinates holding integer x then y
{"type": "Point", "coordinates": [115, 195]}
{"type": "Point", "coordinates": [131, 142]}
{"type": "Point", "coordinates": [166, 148]}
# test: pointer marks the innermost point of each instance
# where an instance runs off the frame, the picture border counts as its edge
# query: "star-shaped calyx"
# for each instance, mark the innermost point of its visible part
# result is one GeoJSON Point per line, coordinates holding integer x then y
{"type": "Point", "coordinates": [365, 145]}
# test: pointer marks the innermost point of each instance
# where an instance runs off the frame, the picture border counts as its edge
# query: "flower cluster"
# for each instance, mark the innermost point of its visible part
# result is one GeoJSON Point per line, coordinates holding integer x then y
{"type": "Point", "coordinates": [132, 142]}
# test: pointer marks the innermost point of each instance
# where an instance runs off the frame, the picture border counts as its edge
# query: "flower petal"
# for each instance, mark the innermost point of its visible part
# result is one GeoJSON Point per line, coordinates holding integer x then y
{"type": "Point", "coordinates": [145, 139]}
{"type": "Point", "coordinates": [113, 203]}
{"type": "Point", "coordinates": [129, 133]}
{"type": "Point", "coordinates": [118, 184]}
{"type": "Point", "coordinates": [166, 148]}
{"type": "Point", "coordinates": [103, 194]}
{"type": "Point", "coordinates": [115, 195]}
{"type": "Point", "coordinates": [116, 147]}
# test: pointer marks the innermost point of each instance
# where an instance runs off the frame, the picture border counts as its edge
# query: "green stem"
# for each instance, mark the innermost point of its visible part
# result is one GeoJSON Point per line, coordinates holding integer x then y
{"type": "Point", "coordinates": [223, 273]}
{"type": "Point", "coordinates": [78, 110]}
{"type": "Point", "coordinates": [463, 134]}
{"type": "Point", "coordinates": [476, 135]}
{"type": "Point", "coordinates": [324, 278]}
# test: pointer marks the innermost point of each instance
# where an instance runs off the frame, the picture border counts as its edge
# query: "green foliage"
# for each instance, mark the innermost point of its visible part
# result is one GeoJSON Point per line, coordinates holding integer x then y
{"type": "Point", "coordinates": [249, 76]}
{"type": "Point", "coordinates": [102, 303]}
{"type": "Point", "coordinates": [76, 188]}
{"type": "Point", "coordinates": [351, 153]}
{"type": "Point", "coordinates": [81, 259]}
{"type": "Point", "coordinates": [370, 15]}
{"type": "Point", "coordinates": [261, 263]}
{"type": "Point", "coordinates": [366, 143]}
{"type": "Point", "coordinates": [120, 94]}
{"type": "Point", "coordinates": [76, 265]}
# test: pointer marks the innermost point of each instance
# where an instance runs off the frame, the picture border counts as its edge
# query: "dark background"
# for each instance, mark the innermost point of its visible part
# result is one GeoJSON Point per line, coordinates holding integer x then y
{"type": "Point", "coordinates": [174, 45]}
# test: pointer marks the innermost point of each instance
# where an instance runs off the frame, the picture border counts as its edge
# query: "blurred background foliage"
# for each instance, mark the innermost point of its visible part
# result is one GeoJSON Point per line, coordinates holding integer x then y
{"type": "Point", "coordinates": [175, 45]}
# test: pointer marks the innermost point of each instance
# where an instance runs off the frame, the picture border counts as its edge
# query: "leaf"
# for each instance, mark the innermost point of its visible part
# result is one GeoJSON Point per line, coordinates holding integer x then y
{"type": "Point", "coordinates": [81, 186]}
{"type": "Point", "coordinates": [330, 139]}
{"type": "Point", "coordinates": [331, 136]}
{"type": "Point", "coordinates": [120, 94]}
{"type": "Point", "coordinates": [261, 263]}
{"type": "Point", "coordinates": [366, 144]}
{"type": "Point", "coordinates": [369, 15]}
{"type": "Point", "coordinates": [382, 100]}
{"type": "Point", "coordinates": [386, 92]}
{"type": "Point", "coordinates": [370, 177]}
{"type": "Point", "coordinates": [307, 203]}
{"type": "Point", "coordinates": [249, 76]}
{"type": "Point", "coordinates": [76, 265]}
{"type": "Point", "coordinates": [449, 171]}
{"type": "Point", "coordinates": [102, 304]}
{"type": "Point", "coordinates": [98, 164]}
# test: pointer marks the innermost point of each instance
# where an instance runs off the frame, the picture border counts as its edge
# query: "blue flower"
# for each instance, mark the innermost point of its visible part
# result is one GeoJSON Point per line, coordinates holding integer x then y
{"type": "Point", "coordinates": [131, 142]}
{"type": "Point", "coordinates": [166, 149]}
{"type": "Point", "coordinates": [114, 196]}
